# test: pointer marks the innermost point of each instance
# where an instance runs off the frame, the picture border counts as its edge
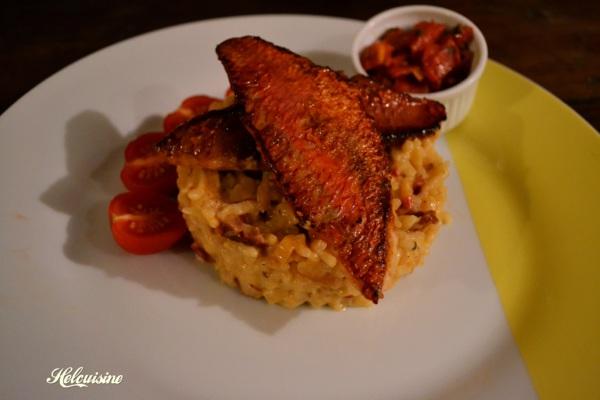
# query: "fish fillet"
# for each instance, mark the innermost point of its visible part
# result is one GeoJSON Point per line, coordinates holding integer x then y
{"type": "Point", "coordinates": [327, 156]}
{"type": "Point", "coordinates": [398, 115]}
{"type": "Point", "coordinates": [217, 140]}
{"type": "Point", "coordinates": [200, 142]}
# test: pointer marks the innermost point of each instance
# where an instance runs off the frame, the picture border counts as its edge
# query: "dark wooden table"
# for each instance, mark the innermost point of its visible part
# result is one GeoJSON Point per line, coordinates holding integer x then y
{"type": "Point", "coordinates": [556, 44]}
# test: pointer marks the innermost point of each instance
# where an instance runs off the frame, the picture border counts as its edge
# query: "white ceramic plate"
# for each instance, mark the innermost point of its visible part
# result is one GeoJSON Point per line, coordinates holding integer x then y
{"type": "Point", "coordinates": [71, 297]}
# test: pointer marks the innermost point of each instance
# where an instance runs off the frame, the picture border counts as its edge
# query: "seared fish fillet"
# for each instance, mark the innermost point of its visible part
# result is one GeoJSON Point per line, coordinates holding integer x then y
{"type": "Point", "coordinates": [327, 156]}
{"type": "Point", "coordinates": [216, 140]}
{"type": "Point", "coordinates": [398, 115]}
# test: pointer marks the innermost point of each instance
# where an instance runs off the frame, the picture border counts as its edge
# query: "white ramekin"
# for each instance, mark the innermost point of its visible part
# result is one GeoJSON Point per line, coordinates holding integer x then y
{"type": "Point", "coordinates": [458, 98]}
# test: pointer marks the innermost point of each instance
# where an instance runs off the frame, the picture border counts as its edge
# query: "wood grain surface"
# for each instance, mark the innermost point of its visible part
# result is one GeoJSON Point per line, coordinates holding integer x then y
{"type": "Point", "coordinates": [554, 43]}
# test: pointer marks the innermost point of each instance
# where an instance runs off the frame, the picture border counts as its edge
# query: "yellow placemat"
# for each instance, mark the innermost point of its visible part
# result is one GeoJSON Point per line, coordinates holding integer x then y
{"type": "Point", "coordinates": [530, 168]}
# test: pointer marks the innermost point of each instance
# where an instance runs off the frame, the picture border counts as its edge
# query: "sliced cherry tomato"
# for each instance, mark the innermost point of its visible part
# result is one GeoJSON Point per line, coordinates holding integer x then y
{"type": "Point", "coordinates": [149, 174]}
{"type": "Point", "coordinates": [143, 145]}
{"type": "Point", "coordinates": [145, 223]}
{"type": "Point", "coordinates": [143, 170]}
{"type": "Point", "coordinates": [173, 120]}
{"type": "Point", "coordinates": [189, 108]}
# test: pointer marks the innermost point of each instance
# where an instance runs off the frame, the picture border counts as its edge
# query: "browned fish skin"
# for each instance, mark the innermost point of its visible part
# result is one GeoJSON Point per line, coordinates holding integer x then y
{"type": "Point", "coordinates": [216, 140]}
{"type": "Point", "coordinates": [326, 154]}
{"type": "Point", "coordinates": [398, 115]}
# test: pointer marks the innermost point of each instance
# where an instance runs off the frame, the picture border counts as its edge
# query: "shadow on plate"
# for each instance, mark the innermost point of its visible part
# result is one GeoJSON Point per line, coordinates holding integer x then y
{"type": "Point", "coordinates": [94, 149]}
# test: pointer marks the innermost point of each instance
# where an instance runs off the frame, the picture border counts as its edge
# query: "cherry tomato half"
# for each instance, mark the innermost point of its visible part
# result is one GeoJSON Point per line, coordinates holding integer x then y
{"type": "Point", "coordinates": [143, 145]}
{"type": "Point", "coordinates": [189, 108]}
{"type": "Point", "coordinates": [145, 171]}
{"type": "Point", "coordinates": [149, 175]}
{"type": "Point", "coordinates": [145, 223]}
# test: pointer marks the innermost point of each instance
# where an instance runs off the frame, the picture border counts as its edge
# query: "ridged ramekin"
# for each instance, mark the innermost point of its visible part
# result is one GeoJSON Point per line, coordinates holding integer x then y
{"type": "Point", "coordinates": [458, 99]}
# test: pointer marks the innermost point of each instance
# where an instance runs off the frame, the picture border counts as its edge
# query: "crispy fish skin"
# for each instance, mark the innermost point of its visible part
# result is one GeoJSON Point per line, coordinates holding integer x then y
{"type": "Point", "coordinates": [327, 156]}
{"type": "Point", "coordinates": [398, 115]}
{"type": "Point", "coordinates": [220, 141]}
{"type": "Point", "coordinates": [216, 140]}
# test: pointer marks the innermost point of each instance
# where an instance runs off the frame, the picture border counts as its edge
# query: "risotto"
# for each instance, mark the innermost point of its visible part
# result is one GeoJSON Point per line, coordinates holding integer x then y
{"type": "Point", "coordinates": [241, 224]}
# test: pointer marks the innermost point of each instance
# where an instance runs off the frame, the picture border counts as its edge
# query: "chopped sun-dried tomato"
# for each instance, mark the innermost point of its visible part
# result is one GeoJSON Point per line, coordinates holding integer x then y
{"type": "Point", "coordinates": [377, 55]}
{"type": "Point", "coordinates": [428, 57]}
{"type": "Point", "coordinates": [399, 39]}
{"type": "Point", "coordinates": [462, 35]}
{"type": "Point", "coordinates": [439, 60]}
{"type": "Point", "coordinates": [427, 33]}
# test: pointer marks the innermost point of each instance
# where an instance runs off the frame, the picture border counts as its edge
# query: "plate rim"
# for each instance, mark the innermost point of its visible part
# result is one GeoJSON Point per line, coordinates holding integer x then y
{"type": "Point", "coordinates": [258, 16]}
